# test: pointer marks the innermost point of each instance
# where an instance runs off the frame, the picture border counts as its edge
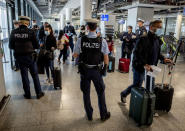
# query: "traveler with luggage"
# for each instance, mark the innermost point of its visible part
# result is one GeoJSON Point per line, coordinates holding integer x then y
{"type": "Point", "coordinates": [146, 53]}
{"type": "Point", "coordinates": [93, 52]}
{"type": "Point", "coordinates": [49, 46]}
{"type": "Point", "coordinates": [62, 46]}
{"type": "Point", "coordinates": [128, 39]}
{"type": "Point", "coordinates": [41, 34]}
{"type": "Point", "coordinates": [70, 31]}
{"type": "Point", "coordinates": [110, 42]}
{"type": "Point", "coordinates": [23, 41]}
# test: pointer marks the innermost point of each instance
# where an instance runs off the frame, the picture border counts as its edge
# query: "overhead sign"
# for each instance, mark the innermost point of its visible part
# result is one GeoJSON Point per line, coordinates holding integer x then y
{"type": "Point", "coordinates": [104, 17]}
{"type": "Point", "coordinates": [184, 11]}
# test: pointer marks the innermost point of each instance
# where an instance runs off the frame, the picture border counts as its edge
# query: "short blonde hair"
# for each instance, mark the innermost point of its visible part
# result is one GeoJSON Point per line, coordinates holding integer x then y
{"type": "Point", "coordinates": [24, 22]}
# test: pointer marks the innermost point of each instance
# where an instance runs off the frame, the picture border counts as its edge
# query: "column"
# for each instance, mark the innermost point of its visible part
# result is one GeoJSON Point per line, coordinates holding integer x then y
{"type": "Point", "coordinates": [178, 26]}
{"type": "Point", "coordinates": [16, 10]}
{"type": "Point", "coordinates": [22, 7]}
{"type": "Point", "coordinates": [68, 14]}
{"type": "Point", "coordinates": [85, 11]}
{"type": "Point", "coordinates": [2, 81]}
{"type": "Point", "coordinates": [62, 21]}
{"type": "Point", "coordinates": [136, 12]}
{"type": "Point", "coordinates": [26, 8]}
{"type": "Point", "coordinates": [19, 7]}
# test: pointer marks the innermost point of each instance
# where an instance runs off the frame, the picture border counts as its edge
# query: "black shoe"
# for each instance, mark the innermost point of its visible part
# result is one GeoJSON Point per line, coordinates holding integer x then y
{"type": "Point", "coordinates": [106, 117]}
{"type": "Point", "coordinates": [89, 118]}
{"type": "Point", "coordinates": [123, 100]}
{"type": "Point", "coordinates": [27, 96]}
{"type": "Point", "coordinates": [40, 95]}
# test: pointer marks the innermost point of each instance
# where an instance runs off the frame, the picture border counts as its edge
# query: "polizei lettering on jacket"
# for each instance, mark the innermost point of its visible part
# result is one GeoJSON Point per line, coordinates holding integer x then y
{"type": "Point", "coordinates": [91, 45]}
{"type": "Point", "coordinates": [21, 35]}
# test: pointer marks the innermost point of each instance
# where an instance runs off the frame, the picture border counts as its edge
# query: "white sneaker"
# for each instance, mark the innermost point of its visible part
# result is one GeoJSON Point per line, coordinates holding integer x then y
{"type": "Point", "coordinates": [51, 81]}
{"type": "Point", "coordinates": [156, 114]}
{"type": "Point", "coordinates": [47, 81]}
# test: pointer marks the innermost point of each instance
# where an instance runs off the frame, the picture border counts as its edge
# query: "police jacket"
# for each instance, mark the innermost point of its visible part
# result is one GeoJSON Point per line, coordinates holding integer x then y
{"type": "Point", "coordinates": [91, 53]}
{"type": "Point", "coordinates": [141, 32]}
{"type": "Point", "coordinates": [23, 41]}
{"type": "Point", "coordinates": [147, 51]}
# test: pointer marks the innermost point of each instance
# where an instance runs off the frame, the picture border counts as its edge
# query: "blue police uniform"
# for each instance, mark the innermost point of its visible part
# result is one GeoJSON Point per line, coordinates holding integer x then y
{"type": "Point", "coordinates": [23, 41]}
{"type": "Point", "coordinates": [92, 73]}
{"type": "Point", "coordinates": [141, 32]}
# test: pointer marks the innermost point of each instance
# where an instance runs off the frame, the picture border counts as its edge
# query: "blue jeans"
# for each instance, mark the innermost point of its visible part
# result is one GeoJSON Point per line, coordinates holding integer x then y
{"type": "Point", "coordinates": [49, 66]}
{"type": "Point", "coordinates": [27, 64]}
{"type": "Point", "coordinates": [137, 82]}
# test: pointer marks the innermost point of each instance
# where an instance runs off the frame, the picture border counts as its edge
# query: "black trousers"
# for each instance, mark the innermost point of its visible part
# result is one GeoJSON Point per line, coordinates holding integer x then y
{"type": "Point", "coordinates": [27, 64]}
{"type": "Point", "coordinates": [94, 76]}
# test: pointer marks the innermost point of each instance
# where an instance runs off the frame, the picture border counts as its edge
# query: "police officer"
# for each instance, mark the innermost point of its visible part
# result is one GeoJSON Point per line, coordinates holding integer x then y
{"type": "Point", "coordinates": [141, 32]}
{"type": "Point", "coordinates": [23, 42]}
{"type": "Point", "coordinates": [92, 52]}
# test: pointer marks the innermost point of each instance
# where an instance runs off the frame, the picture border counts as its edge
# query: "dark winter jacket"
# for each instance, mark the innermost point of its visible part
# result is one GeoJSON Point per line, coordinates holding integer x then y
{"type": "Point", "coordinates": [146, 50]}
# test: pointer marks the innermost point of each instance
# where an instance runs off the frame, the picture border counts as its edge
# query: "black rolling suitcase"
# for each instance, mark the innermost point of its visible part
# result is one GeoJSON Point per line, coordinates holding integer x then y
{"type": "Point", "coordinates": [164, 94]}
{"type": "Point", "coordinates": [111, 66]}
{"type": "Point", "coordinates": [142, 104]}
{"type": "Point", "coordinates": [57, 78]}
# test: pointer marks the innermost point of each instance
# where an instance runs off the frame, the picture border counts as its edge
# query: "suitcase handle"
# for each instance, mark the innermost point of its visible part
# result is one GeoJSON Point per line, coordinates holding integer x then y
{"type": "Point", "coordinates": [163, 78]}
{"type": "Point", "coordinates": [146, 81]}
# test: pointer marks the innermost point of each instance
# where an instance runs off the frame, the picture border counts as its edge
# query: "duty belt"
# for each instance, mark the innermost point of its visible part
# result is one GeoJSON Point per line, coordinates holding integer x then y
{"type": "Point", "coordinates": [93, 66]}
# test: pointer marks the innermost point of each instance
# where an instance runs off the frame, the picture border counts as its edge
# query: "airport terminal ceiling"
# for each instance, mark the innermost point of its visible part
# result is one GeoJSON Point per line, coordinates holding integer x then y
{"type": "Point", "coordinates": [52, 8]}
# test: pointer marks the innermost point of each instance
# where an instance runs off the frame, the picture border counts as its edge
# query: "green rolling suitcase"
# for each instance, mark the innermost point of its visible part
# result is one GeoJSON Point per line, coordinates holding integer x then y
{"type": "Point", "coordinates": [142, 105]}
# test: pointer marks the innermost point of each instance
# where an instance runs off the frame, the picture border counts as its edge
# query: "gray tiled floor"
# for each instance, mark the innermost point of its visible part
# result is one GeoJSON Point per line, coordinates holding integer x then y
{"type": "Point", "coordinates": [63, 110]}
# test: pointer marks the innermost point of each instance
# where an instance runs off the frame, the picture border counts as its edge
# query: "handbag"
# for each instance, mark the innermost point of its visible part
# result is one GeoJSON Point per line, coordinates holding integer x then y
{"type": "Point", "coordinates": [49, 55]}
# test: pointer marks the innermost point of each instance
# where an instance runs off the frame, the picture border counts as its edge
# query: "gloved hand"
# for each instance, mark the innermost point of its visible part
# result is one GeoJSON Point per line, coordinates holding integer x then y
{"type": "Point", "coordinates": [104, 70]}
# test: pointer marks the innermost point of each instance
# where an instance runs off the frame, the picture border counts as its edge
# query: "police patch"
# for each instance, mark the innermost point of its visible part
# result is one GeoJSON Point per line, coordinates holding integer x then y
{"type": "Point", "coordinates": [21, 35]}
{"type": "Point", "coordinates": [91, 45]}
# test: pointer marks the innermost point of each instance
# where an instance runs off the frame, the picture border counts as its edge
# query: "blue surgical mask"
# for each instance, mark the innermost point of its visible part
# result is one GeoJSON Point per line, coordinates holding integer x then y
{"type": "Point", "coordinates": [158, 32]}
{"type": "Point", "coordinates": [47, 33]}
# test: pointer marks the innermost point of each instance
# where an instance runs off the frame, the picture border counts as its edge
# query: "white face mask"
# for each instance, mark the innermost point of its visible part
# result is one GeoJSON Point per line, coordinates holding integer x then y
{"type": "Point", "coordinates": [16, 26]}
{"type": "Point", "coordinates": [47, 33]}
{"type": "Point", "coordinates": [158, 32]}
